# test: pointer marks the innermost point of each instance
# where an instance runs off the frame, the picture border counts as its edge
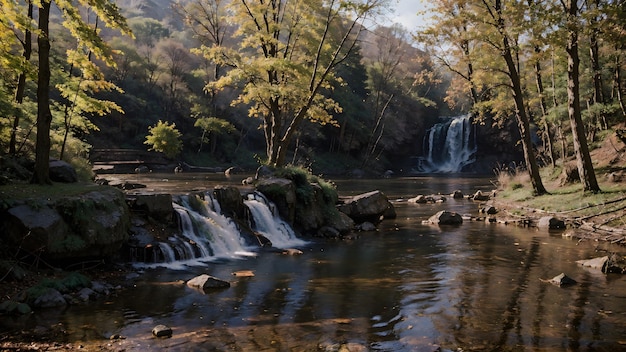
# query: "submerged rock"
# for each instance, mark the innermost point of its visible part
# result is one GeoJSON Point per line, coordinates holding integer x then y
{"type": "Point", "coordinates": [292, 251]}
{"type": "Point", "coordinates": [561, 280]}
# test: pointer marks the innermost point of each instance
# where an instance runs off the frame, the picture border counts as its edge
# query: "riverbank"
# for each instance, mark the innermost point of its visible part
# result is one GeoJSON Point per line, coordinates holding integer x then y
{"type": "Point", "coordinates": [588, 216]}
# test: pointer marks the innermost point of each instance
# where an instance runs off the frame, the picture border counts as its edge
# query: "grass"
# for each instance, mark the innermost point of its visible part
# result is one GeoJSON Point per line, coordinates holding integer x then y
{"type": "Point", "coordinates": [607, 207]}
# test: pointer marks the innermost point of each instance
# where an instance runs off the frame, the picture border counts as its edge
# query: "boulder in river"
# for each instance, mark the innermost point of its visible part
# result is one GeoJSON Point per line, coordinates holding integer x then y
{"type": "Point", "coordinates": [445, 217]}
{"type": "Point", "coordinates": [561, 280]}
{"type": "Point", "coordinates": [162, 331]}
{"type": "Point", "coordinates": [606, 264]}
{"type": "Point", "coordinates": [207, 282]}
{"type": "Point", "coordinates": [372, 206]}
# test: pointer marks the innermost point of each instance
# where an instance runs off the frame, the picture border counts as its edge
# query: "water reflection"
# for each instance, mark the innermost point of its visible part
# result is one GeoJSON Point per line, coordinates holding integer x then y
{"type": "Point", "coordinates": [406, 287]}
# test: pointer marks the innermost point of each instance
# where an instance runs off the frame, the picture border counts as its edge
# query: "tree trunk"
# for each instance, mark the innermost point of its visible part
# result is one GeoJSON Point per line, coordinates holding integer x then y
{"type": "Point", "coordinates": [583, 159]}
{"type": "Point", "coordinates": [618, 84]}
{"type": "Point", "coordinates": [44, 117]}
{"type": "Point", "coordinates": [21, 84]}
{"type": "Point", "coordinates": [548, 139]}
{"type": "Point", "coordinates": [598, 97]}
{"type": "Point", "coordinates": [523, 121]}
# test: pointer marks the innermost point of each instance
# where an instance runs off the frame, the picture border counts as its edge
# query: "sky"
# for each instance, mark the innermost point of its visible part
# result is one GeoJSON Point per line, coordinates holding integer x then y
{"type": "Point", "coordinates": [406, 13]}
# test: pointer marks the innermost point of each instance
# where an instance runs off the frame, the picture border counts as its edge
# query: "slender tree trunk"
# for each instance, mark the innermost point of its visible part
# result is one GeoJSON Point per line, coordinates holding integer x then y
{"type": "Point", "coordinates": [44, 116]}
{"type": "Point", "coordinates": [598, 96]}
{"type": "Point", "coordinates": [548, 139]}
{"type": "Point", "coordinates": [618, 84]}
{"type": "Point", "coordinates": [21, 84]}
{"type": "Point", "coordinates": [523, 122]}
{"type": "Point", "coordinates": [583, 159]}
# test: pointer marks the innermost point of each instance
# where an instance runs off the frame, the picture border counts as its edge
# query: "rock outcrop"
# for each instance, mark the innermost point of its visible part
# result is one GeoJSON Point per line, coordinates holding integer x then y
{"type": "Point", "coordinates": [94, 223]}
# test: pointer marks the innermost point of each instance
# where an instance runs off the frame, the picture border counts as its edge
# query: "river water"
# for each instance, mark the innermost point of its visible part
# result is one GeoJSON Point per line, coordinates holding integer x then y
{"type": "Point", "coordinates": [406, 287]}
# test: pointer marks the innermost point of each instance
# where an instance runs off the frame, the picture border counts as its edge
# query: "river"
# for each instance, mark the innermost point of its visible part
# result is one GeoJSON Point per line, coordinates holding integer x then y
{"type": "Point", "coordinates": [406, 287]}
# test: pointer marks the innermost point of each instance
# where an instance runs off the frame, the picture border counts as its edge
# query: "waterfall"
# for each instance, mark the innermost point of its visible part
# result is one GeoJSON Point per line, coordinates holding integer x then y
{"type": "Point", "coordinates": [206, 234]}
{"type": "Point", "coordinates": [449, 146]}
{"type": "Point", "coordinates": [266, 221]}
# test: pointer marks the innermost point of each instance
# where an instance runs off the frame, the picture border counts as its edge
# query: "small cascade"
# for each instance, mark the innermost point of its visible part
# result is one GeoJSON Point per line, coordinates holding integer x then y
{"type": "Point", "coordinates": [205, 234]}
{"type": "Point", "coordinates": [449, 146]}
{"type": "Point", "coordinates": [266, 221]}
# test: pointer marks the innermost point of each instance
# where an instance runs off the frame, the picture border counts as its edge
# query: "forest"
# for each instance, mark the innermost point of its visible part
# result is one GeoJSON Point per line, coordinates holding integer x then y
{"type": "Point", "coordinates": [326, 84]}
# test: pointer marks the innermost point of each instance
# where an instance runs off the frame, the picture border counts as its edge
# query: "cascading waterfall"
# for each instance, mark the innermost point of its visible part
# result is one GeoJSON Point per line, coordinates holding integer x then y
{"type": "Point", "coordinates": [206, 234]}
{"type": "Point", "coordinates": [449, 146]}
{"type": "Point", "coordinates": [267, 222]}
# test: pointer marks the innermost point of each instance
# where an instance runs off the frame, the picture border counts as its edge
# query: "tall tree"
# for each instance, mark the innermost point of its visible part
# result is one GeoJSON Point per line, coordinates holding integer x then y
{"type": "Point", "coordinates": [581, 149]}
{"type": "Point", "coordinates": [496, 13]}
{"type": "Point", "coordinates": [44, 116]}
{"type": "Point", "coordinates": [108, 12]}
{"type": "Point", "coordinates": [286, 61]}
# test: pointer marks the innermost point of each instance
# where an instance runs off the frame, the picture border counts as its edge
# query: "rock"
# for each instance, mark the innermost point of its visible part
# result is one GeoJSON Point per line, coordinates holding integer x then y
{"type": "Point", "coordinates": [101, 288]}
{"type": "Point", "coordinates": [13, 307]}
{"type": "Point", "coordinates": [49, 298]}
{"type": "Point", "coordinates": [282, 192]}
{"type": "Point", "coordinates": [366, 226]}
{"type": "Point", "coordinates": [341, 222]}
{"type": "Point", "coordinates": [480, 196]}
{"type": "Point", "coordinates": [90, 224]}
{"type": "Point", "coordinates": [489, 209]}
{"type": "Point", "coordinates": [328, 232]}
{"type": "Point", "coordinates": [60, 171]}
{"type": "Point", "coordinates": [561, 280]}
{"type": "Point", "coordinates": [157, 206]}
{"type": "Point", "coordinates": [23, 308]}
{"type": "Point", "coordinates": [206, 282]}
{"type": "Point", "coordinates": [142, 170]}
{"type": "Point", "coordinates": [162, 331]}
{"type": "Point", "coordinates": [248, 181]}
{"type": "Point", "coordinates": [244, 273]}
{"type": "Point", "coordinates": [550, 222]}
{"type": "Point", "coordinates": [445, 217]}
{"type": "Point", "coordinates": [292, 251]}
{"type": "Point", "coordinates": [457, 194]}
{"type": "Point", "coordinates": [388, 174]}
{"type": "Point", "coordinates": [607, 264]}
{"type": "Point", "coordinates": [86, 294]}
{"type": "Point", "coordinates": [230, 200]}
{"type": "Point", "coordinates": [372, 206]}
{"type": "Point", "coordinates": [420, 199]}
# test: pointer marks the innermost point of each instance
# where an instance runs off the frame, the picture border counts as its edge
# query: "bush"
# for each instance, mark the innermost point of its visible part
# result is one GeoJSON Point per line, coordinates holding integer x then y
{"type": "Point", "coordinates": [303, 178]}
